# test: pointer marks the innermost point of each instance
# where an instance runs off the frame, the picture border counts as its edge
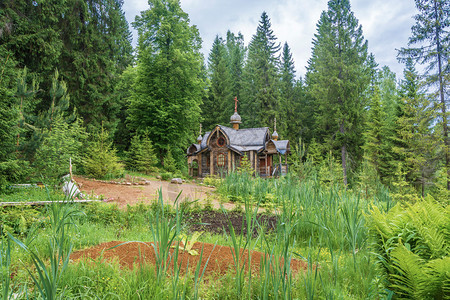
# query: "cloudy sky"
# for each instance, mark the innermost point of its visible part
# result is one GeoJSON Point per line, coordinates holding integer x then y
{"type": "Point", "coordinates": [386, 24]}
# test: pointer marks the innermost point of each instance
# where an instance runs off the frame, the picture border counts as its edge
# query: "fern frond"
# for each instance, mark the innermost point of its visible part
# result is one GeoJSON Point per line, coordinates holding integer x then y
{"type": "Point", "coordinates": [409, 272]}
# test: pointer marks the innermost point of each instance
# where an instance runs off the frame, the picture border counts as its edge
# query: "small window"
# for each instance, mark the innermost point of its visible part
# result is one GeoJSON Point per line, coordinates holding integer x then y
{"type": "Point", "coordinates": [221, 160]}
{"type": "Point", "coordinates": [221, 141]}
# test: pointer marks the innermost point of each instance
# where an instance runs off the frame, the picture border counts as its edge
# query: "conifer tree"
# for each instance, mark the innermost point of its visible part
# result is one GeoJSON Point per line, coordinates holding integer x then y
{"type": "Point", "coordinates": [236, 56]}
{"type": "Point", "coordinates": [217, 108]}
{"type": "Point", "coordinates": [418, 145]}
{"type": "Point", "coordinates": [260, 79]}
{"type": "Point", "coordinates": [169, 84]}
{"type": "Point", "coordinates": [337, 79]}
{"type": "Point", "coordinates": [141, 156]}
{"type": "Point", "coordinates": [432, 36]}
{"type": "Point", "coordinates": [289, 108]}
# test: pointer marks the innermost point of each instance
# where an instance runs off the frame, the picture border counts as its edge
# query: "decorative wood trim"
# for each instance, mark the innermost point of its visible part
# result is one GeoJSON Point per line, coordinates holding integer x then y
{"type": "Point", "coordinates": [229, 161]}
{"type": "Point", "coordinates": [211, 163]}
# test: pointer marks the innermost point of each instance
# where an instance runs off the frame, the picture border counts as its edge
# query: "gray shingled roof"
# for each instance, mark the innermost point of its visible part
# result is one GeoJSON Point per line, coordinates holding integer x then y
{"type": "Point", "coordinates": [282, 146]}
{"type": "Point", "coordinates": [241, 140]}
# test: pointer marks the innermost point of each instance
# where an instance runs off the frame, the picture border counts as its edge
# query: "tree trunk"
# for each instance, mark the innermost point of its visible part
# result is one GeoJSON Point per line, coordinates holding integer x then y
{"type": "Point", "coordinates": [441, 94]}
{"type": "Point", "coordinates": [344, 155]}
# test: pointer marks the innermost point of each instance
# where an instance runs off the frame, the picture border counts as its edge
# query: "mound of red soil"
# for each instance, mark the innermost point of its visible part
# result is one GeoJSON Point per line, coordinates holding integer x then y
{"type": "Point", "coordinates": [220, 257]}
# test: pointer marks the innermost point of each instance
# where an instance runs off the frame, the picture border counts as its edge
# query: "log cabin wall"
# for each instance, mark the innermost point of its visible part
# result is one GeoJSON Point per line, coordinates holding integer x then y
{"type": "Point", "coordinates": [219, 150]}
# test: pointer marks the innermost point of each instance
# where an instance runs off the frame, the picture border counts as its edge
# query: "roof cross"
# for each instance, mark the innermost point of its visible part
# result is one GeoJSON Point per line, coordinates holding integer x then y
{"type": "Point", "coordinates": [235, 104]}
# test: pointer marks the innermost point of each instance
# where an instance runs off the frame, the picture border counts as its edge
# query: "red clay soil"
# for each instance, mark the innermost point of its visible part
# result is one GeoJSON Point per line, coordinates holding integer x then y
{"type": "Point", "coordinates": [135, 253]}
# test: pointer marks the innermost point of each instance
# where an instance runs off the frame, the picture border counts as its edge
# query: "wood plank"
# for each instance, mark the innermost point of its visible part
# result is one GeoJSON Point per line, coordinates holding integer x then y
{"type": "Point", "coordinates": [45, 202]}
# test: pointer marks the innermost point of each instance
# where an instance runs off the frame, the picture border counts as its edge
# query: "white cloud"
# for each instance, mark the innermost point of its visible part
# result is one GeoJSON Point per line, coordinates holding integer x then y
{"type": "Point", "coordinates": [386, 24]}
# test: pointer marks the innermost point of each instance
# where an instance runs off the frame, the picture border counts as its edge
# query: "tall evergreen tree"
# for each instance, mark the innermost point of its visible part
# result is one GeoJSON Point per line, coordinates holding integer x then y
{"type": "Point", "coordinates": [288, 121]}
{"type": "Point", "coordinates": [260, 93]}
{"type": "Point", "coordinates": [217, 108]}
{"type": "Point", "coordinates": [168, 89]}
{"type": "Point", "coordinates": [431, 34]}
{"type": "Point", "coordinates": [418, 147]}
{"type": "Point", "coordinates": [236, 57]}
{"type": "Point", "coordinates": [87, 41]}
{"type": "Point", "coordinates": [97, 49]}
{"type": "Point", "coordinates": [337, 79]}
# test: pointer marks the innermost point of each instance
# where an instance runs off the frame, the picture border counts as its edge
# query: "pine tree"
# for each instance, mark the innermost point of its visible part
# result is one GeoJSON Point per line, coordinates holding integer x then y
{"type": "Point", "coordinates": [219, 101]}
{"type": "Point", "coordinates": [87, 41]}
{"type": "Point", "coordinates": [260, 80]}
{"type": "Point", "coordinates": [235, 62]}
{"type": "Point", "coordinates": [418, 145]}
{"type": "Point", "coordinates": [169, 84]}
{"type": "Point", "coordinates": [337, 79]}
{"type": "Point", "coordinates": [11, 169]}
{"type": "Point", "coordinates": [431, 33]}
{"type": "Point", "coordinates": [289, 121]}
{"type": "Point", "coordinates": [101, 160]}
{"type": "Point", "coordinates": [141, 156]}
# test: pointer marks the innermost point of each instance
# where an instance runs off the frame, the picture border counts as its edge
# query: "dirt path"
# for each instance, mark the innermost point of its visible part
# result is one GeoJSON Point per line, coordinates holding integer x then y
{"type": "Point", "coordinates": [133, 194]}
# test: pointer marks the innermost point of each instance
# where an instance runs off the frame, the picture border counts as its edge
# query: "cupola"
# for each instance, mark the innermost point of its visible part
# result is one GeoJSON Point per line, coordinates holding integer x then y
{"type": "Point", "coordinates": [200, 138]}
{"type": "Point", "coordinates": [235, 118]}
{"type": "Point", "coordinates": [275, 133]}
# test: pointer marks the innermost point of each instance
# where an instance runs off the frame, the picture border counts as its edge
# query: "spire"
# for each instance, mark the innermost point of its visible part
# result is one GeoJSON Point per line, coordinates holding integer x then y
{"type": "Point", "coordinates": [275, 134]}
{"type": "Point", "coordinates": [235, 118]}
{"type": "Point", "coordinates": [200, 138]}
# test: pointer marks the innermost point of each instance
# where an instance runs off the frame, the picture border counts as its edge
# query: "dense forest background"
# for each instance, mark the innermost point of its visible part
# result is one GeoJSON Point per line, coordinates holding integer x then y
{"type": "Point", "coordinates": [72, 86]}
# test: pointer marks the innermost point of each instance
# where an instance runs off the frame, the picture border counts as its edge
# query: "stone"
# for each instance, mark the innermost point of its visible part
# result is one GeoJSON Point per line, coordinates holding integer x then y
{"type": "Point", "coordinates": [176, 181]}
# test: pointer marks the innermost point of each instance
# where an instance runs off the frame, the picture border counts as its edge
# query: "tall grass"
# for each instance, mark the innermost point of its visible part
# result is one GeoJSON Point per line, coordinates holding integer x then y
{"type": "Point", "coordinates": [57, 249]}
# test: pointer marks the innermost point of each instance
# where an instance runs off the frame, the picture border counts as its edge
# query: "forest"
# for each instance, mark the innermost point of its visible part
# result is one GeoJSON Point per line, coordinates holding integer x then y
{"type": "Point", "coordinates": [364, 206]}
{"type": "Point", "coordinates": [71, 80]}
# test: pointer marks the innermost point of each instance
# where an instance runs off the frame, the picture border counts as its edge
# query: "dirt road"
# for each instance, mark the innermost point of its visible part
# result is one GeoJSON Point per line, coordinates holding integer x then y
{"type": "Point", "coordinates": [134, 194]}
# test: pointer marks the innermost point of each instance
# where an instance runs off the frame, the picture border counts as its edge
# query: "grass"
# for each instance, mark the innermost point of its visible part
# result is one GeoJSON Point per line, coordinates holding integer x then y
{"type": "Point", "coordinates": [323, 226]}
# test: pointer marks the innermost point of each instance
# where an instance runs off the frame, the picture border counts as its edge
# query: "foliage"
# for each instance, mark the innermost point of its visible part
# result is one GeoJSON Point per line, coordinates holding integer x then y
{"type": "Point", "coordinates": [60, 144]}
{"type": "Point", "coordinates": [141, 156]}
{"type": "Point", "coordinates": [219, 101]}
{"type": "Point", "coordinates": [169, 85]}
{"type": "Point", "coordinates": [169, 162]}
{"type": "Point", "coordinates": [88, 41]}
{"type": "Point", "coordinates": [260, 91]}
{"type": "Point", "coordinates": [58, 248]}
{"type": "Point", "coordinates": [430, 34]}
{"type": "Point", "coordinates": [337, 78]}
{"type": "Point", "coordinates": [100, 160]}
{"type": "Point", "coordinates": [412, 246]}
{"type": "Point", "coordinates": [245, 166]}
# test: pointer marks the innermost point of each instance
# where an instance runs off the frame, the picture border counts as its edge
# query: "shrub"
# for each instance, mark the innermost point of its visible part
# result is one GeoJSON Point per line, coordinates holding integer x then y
{"type": "Point", "coordinates": [141, 157]}
{"type": "Point", "coordinates": [169, 162]}
{"type": "Point", "coordinates": [166, 176]}
{"type": "Point", "coordinates": [412, 244]}
{"type": "Point", "coordinates": [101, 160]}
{"type": "Point", "coordinates": [61, 143]}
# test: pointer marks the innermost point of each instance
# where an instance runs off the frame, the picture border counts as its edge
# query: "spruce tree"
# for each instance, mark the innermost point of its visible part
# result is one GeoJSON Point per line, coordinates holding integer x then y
{"type": "Point", "coordinates": [432, 36]}
{"type": "Point", "coordinates": [218, 107]}
{"type": "Point", "coordinates": [289, 123]}
{"type": "Point", "coordinates": [235, 61]}
{"type": "Point", "coordinates": [169, 84]}
{"type": "Point", "coordinates": [337, 79]}
{"type": "Point", "coordinates": [260, 93]}
{"type": "Point", "coordinates": [418, 144]}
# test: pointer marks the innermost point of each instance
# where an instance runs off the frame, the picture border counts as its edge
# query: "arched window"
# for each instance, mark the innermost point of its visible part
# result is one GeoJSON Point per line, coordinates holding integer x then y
{"type": "Point", "coordinates": [221, 160]}
{"type": "Point", "coordinates": [221, 141]}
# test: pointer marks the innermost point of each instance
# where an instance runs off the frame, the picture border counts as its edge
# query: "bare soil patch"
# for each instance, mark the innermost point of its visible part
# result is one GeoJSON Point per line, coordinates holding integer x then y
{"type": "Point", "coordinates": [217, 222]}
{"type": "Point", "coordinates": [124, 195]}
{"type": "Point", "coordinates": [220, 257]}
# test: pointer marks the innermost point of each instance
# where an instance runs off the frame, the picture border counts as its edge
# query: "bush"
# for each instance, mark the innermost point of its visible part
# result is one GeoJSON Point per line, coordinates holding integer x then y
{"type": "Point", "coordinates": [169, 162]}
{"type": "Point", "coordinates": [412, 246]}
{"type": "Point", "coordinates": [61, 143]}
{"type": "Point", "coordinates": [141, 157]}
{"type": "Point", "coordinates": [166, 176]}
{"type": "Point", "coordinates": [101, 160]}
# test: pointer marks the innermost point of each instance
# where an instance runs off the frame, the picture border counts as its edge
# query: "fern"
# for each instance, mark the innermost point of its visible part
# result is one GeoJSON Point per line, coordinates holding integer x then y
{"type": "Point", "coordinates": [411, 244]}
{"type": "Point", "coordinates": [408, 267]}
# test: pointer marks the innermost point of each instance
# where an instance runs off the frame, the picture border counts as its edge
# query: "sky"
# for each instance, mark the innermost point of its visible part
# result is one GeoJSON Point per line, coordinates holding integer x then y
{"type": "Point", "coordinates": [386, 24]}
